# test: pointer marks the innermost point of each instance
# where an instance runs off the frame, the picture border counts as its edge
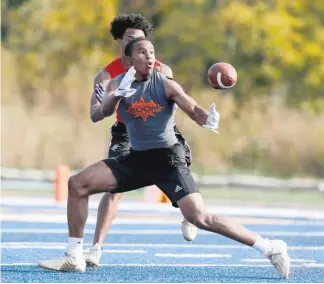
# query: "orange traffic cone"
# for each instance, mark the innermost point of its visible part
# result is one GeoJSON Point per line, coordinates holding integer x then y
{"type": "Point", "coordinates": [164, 198]}
{"type": "Point", "coordinates": [62, 175]}
{"type": "Point", "coordinates": [153, 194]}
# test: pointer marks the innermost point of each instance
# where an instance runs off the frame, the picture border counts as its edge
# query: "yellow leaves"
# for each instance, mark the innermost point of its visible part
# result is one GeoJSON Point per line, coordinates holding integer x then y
{"type": "Point", "coordinates": [319, 35]}
{"type": "Point", "coordinates": [313, 49]}
{"type": "Point", "coordinates": [269, 42]}
{"type": "Point", "coordinates": [271, 70]}
{"type": "Point", "coordinates": [53, 20]}
{"type": "Point", "coordinates": [238, 14]}
{"type": "Point", "coordinates": [315, 76]}
{"type": "Point", "coordinates": [73, 16]}
{"type": "Point", "coordinates": [74, 26]}
{"type": "Point", "coordinates": [50, 37]}
{"type": "Point", "coordinates": [199, 2]}
{"type": "Point", "coordinates": [281, 37]}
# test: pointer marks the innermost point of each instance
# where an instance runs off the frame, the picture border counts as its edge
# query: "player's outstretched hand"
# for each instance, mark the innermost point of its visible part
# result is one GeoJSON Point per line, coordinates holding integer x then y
{"type": "Point", "coordinates": [212, 119]}
{"type": "Point", "coordinates": [100, 92]}
{"type": "Point", "coordinates": [125, 90]}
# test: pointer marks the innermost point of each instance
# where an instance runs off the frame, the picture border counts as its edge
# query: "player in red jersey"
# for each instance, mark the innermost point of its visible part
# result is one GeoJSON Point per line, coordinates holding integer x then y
{"type": "Point", "coordinates": [124, 28]}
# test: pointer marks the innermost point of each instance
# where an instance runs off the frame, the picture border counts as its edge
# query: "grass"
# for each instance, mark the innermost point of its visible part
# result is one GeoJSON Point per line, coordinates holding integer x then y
{"type": "Point", "coordinates": [259, 137]}
{"type": "Point", "coordinates": [221, 195]}
{"type": "Point", "coordinates": [274, 143]}
{"type": "Point", "coordinates": [270, 197]}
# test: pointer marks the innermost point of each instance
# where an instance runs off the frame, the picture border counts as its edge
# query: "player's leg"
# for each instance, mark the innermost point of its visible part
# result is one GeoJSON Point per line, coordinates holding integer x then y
{"type": "Point", "coordinates": [106, 214]}
{"type": "Point", "coordinates": [193, 209]}
{"type": "Point", "coordinates": [189, 231]}
{"type": "Point", "coordinates": [107, 209]}
{"type": "Point", "coordinates": [182, 141]}
{"type": "Point", "coordinates": [122, 174]}
{"type": "Point", "coordinates": [94, 179]}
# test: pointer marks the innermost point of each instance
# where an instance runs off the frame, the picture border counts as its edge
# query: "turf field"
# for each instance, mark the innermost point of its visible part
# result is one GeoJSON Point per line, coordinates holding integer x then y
{"type": "Point", "coordinates": [145, 245]}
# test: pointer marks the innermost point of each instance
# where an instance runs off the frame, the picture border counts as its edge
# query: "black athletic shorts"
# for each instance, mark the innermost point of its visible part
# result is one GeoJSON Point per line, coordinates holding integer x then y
{"type": "Point", "coordinates": [164, 167]}
{"type": "Point", "coordinates": [120, 142]}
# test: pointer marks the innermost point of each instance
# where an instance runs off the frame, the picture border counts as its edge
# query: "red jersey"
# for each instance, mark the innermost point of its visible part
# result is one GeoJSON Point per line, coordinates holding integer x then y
{"type": "Point", "coordinates": [116, 68]}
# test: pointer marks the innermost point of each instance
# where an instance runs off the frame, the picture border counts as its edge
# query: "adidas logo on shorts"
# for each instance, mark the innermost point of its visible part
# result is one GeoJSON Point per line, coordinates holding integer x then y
{"type": "Point", "coordinates": [178, 188]}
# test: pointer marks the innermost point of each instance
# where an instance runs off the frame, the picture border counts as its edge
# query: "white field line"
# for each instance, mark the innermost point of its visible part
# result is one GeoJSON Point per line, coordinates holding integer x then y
{"type": "Point", "coordinates": [63, 247]}
{"type": "Point", "coordinates": [167, 208]}
{"type": "Point", "coordinates": [123, 251]}
{"type": "Point", "coordinates": [61, 219]}
{"type": "Point", "coordinates": [192, 255]}
{"type": "Point", "coordinates": [155, 232]}
{"type": "Point", "coordinates": [308, 265]}
{"type": "Point", "coordinates": [49, 245]}
{"type": "Point", "coordinates": [267, 260]}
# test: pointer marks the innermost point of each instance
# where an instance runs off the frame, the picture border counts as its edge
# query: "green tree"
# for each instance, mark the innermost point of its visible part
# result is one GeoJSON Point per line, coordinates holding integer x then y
{"type": "Point", "coordinates": [275, 45]}
{"type": "Point", "coordinates": [49, 38]}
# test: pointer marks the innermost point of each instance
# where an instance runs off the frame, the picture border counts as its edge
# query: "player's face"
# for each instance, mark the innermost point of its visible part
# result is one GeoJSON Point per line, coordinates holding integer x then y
{"type": "Point", "coordinates": [129, 35]}
{"type": "Point", "coordinates": [143, 57]}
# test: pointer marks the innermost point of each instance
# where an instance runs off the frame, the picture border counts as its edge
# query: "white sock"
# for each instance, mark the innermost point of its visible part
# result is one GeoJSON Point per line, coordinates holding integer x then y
{"type": "Point", "coordinates": [75, 247]}
{"type": "Point", "coordinates": [263, 245]}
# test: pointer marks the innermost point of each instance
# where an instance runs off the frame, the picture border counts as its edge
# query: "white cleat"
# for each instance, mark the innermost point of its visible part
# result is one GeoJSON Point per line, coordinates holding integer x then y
{"type": "Point", "coordinates": [279, 258]}
{"type": "Point", "coordinates": [66, 263]}
{"type": "Point", "coordinates": [92, 258]}
{"type": "Point", "coordinates": [189, 231]}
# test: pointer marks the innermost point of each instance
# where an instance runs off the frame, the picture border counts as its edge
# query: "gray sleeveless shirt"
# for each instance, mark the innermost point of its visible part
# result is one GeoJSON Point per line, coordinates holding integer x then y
{"type": "Point", "coordinates": [148, 114]}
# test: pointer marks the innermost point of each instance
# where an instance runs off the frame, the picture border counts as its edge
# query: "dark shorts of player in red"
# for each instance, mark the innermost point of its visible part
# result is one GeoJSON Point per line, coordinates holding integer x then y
{"type": "Point", "coordinates": [119, 144]}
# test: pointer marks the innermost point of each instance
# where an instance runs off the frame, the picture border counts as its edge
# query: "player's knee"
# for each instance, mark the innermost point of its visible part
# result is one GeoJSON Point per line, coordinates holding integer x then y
{"type": "Point", "coordinates": [76, 188]}
{"type": "Point", "coordinates": [199, 219]}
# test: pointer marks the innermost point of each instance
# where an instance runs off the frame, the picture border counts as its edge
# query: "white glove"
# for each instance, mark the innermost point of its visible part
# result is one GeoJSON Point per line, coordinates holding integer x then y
{"type": "Point", "coordinates": [212, 119]}
{"type": "Point", "coordinates": [124, 89]}
{"type": "Point", "coordinates": [100, 92]}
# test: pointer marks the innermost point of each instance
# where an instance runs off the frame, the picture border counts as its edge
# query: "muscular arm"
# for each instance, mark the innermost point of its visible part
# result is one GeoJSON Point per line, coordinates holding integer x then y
{"type": "Point", "coordinates": [95, 106]}
{"type": "Point", "coordinates": [110, 101]}
{"type": "Point", "coordinates": [175, 92]}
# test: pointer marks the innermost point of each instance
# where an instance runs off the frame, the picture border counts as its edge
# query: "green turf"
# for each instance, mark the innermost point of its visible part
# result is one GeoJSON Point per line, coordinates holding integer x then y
{"type": "Point", "coordinates": [266, 196]}
{"type": "Point", "coordinates": [271, 197]}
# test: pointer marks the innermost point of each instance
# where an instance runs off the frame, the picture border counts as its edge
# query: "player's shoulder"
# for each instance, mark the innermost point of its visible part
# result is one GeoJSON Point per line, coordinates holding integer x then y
{"type": "Point", "coordinates": [112, 64]}
{"type": "Point", "coordinates": [163, 68]}
{"type": "Point", "coordinates": [101, 77]}
{"type": "Point", "coordinates": [115, 68]}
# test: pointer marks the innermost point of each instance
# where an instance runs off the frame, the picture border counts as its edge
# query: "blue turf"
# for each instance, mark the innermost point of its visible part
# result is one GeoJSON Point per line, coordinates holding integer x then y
{"type": "Point", "coordinates": [144, 239]}
{"type": "Point", "coordinates": [153, 274]}
{"type": "Point", "coordinates": [312, 226]}
{"type": "Point", "coordinates": [161, 274]}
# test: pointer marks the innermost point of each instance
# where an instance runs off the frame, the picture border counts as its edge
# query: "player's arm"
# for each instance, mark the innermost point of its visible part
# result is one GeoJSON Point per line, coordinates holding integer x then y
{"type": "Point", "coordinates": [165, 70]}
{"type": "Point", "coordinates": [175, 92]}
{"type": "Point", "coordinates": [96, 114]}
{"type": "Point", "coordinates": [197, 113]}
{"type": "Point", "coordinates": [110, 101]}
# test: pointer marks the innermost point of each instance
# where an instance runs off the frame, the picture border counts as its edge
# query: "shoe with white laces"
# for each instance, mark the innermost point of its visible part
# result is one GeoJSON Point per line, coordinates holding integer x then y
{"type": "Point", "coordinates": [92, 258]}
{"type": "Point", "coordinates": [279, 258]}
{"type": "Point", "coordinates": [66, 263]}
{"type": "Point", "coordinates": [189, 231]}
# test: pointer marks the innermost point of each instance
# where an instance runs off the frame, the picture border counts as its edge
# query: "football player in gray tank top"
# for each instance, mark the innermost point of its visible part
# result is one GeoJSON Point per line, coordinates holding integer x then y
{"type": "Point", "coordinates": [146, 101]}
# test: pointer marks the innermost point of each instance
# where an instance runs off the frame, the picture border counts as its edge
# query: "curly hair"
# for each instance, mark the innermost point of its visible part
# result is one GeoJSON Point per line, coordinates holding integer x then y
{"type": "Point", "coordinates": [129, 21]}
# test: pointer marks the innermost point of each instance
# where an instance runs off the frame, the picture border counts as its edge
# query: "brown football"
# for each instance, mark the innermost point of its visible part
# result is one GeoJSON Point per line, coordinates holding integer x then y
{"type": "Point", "coordinates": [222, 75]}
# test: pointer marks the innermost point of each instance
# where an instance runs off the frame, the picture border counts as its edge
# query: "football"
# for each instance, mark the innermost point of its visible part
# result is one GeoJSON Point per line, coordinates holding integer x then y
{"type": "Point", "coordinates": [222, 75]}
